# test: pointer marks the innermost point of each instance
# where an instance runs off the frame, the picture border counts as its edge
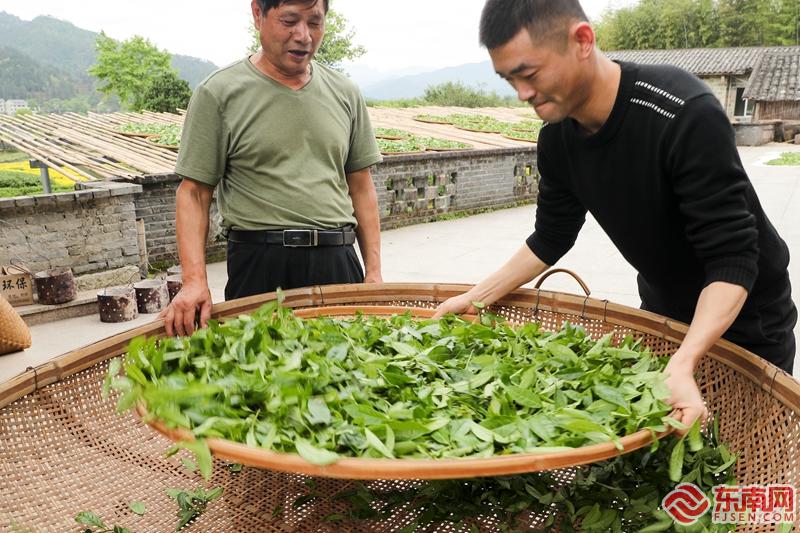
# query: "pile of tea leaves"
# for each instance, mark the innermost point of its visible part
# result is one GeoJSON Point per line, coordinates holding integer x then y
{"type": "Point", "coordinates": [397, 388]}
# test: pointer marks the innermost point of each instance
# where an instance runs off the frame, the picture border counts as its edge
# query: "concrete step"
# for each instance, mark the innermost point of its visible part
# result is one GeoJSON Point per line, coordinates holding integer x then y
{"type": "Point", "coordinates": [85, 303]}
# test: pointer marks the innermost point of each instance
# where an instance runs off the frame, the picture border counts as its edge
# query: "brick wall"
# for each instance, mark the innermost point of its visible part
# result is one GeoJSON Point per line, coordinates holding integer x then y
{"type": "Point", "coordinates": [719, 86]}
{"type": "Point", "coordinates": [418, 188]}
{"type": "Point", "coordinates": [91, 230]}
{"type": "Point", "coordinates": [95, 229]}
{"type": "Point", "coordinates": [411, 189]}
{"type": "Point", "coordinates": [156, 206]}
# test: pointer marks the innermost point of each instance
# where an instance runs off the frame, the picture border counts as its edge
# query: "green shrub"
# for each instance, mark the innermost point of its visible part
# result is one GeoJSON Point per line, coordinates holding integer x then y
{"type": "Point", "coordinates": [16, 183]}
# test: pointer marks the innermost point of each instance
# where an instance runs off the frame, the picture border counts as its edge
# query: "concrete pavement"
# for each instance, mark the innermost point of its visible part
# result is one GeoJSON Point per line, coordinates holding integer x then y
{"type": "Point", "coordinates": [468, 249]}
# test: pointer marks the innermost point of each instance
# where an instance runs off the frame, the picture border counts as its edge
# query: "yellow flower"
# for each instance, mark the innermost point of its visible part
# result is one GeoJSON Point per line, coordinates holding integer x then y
{"type": "Point", "coordinates": [55, 176]}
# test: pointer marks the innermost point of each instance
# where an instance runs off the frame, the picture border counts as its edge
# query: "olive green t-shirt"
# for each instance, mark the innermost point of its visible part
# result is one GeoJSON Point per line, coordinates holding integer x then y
{"type": "Point", "coordinates": [277, 156]}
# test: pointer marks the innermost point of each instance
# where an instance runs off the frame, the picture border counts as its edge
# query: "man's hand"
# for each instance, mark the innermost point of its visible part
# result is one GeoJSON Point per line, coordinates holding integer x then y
{"type": "Point", "coordinates": [686, 396]}
{"type": "Point", "coordinates": [179, 317]}
{"type": "Point", "coordinates": [457, 304]}
{"type": "Point", "coordinates": [521, 268]}
{"type": "Point", "coordinates": [717, 307]}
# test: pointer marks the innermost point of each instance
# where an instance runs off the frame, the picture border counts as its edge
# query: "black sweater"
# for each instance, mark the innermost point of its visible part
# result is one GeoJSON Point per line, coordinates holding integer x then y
{"type": "Point", "coordinates": [664, 180]}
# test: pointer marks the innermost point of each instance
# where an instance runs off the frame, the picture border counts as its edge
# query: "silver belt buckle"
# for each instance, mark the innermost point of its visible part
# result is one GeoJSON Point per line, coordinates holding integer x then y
{"type": "Point", "coordinates": [312, 238]}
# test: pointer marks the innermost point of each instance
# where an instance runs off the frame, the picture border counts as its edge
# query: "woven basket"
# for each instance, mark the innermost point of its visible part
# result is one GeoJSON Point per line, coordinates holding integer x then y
{"type": "Point", "coordinates": [368, 468]}
{"type": "Point", "coordinates": [64, 449]}
{"type": "Point", "coordinates": [14, 333]}
{"type": "Point", "coordinates": [443, 122]}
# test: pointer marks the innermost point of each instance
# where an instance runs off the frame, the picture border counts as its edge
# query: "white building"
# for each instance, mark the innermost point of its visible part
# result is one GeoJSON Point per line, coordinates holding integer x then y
{"type": "Point", "coordinates": [9, 107]}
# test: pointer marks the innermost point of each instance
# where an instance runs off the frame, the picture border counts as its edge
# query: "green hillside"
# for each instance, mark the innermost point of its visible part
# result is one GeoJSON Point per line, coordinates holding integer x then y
{"type": "Point", "coordinates": [45, 61]}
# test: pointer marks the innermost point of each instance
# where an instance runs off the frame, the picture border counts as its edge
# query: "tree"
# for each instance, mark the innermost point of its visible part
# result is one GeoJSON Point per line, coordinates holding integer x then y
{"type": "Point", "coordinates": [458, 94]}
{"type": "Point", "coordinates": [664, 24]}
{"type": "Point", "coordinates": [127, 67]}
{"type": "Point", "coordinates": [166, 92]}
{"type": "Point", "coordinates": [336, 47]}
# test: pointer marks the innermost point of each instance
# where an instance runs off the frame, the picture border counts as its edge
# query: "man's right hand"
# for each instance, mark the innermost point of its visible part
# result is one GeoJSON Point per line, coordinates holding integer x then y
{"type": "Point", "coordinates": [179, 317]}
{"type": "Point", "coordinates": [457, 304]}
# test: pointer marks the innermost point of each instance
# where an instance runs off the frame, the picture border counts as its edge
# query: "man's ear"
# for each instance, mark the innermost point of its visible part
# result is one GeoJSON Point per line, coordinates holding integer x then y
{"type": "Point", "coordinates": [582, 34]}
{"type": "Point", "coordinates": [257, 14]}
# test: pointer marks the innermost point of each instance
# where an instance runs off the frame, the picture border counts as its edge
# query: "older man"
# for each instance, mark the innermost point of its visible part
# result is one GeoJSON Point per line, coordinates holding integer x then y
{"type": "Point", "coordinates": [288, 144]}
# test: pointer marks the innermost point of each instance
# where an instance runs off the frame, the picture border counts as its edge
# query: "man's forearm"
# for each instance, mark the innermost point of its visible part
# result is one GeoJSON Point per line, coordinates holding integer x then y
{"type": "Point", "coordinates": [368, 232]}
{"type": "Point", "coordinates": [717, 307]}
{"type": "Point", "coordinates": [520, 269]}
{"type": "Point", "coordinates": [191, 221]}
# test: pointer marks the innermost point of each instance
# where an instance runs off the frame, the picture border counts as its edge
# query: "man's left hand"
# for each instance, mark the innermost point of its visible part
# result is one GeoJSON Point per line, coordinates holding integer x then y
{"type": "Point", "coordinates": [686, 396]}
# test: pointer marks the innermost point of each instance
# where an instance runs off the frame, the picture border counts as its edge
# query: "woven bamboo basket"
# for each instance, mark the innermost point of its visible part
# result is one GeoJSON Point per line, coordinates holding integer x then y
{"type": "Point", "coordinates": [14, 333]}
{"type": "Point", "coordinates": [444, 121]}
{"type": "Point", "coordinates": [161, 145]}
{"type": "Point", "coordinates": [133, 134]}
{"type": "Point", "coordinates": [64, 449]}
{"type": "Point", "coordinates": [513, 138]}
{"type": "Point", "coordinates": [413, 469]}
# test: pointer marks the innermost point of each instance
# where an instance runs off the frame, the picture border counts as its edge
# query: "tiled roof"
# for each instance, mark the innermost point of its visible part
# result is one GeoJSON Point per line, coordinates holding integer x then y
{"type": "Point", "coordinates": [705, 61]}
{"type": "Point", "coordinates": [776, 77]}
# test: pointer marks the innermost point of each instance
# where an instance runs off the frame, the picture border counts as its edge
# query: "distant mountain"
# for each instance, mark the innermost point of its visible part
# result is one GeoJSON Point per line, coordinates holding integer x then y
{"type": "Point", "coordinates": [480, 75]}
{"type": "Point", "coordinates": [64, 52]}
{"type": "Point", "coordinates": [21, 77]}
{"type": "Point", "coordinates": [366, 76]}
{"type": "Point", "coordinates": [192, 69]}
{"type": "Point", "coordinates": [50, 41]}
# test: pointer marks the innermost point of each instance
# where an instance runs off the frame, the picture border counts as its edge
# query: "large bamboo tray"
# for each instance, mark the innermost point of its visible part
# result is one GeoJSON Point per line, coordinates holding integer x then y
{"type": "Point", "coordinates": [367, 468]}
{"type": "Point", "coordinates": [64, 449]}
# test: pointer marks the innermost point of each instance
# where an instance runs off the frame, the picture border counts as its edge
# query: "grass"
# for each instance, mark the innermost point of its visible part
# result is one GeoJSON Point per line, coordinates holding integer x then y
{"type": "Point", "coordinates": [786, 159]}
{"type": "Point", "coordinates": [17, 183]}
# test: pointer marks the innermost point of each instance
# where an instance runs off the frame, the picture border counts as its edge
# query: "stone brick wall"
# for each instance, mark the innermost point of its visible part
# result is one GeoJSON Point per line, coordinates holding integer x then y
{"type": "Point", "coordinates": [156, 206]}
{"type": "Point", "coordinates": [91, 230]}
{"type": "Point", "coordinates": [411, 189]}
{"type": "Point", "coordinates": [719, 86]}
{"type": "Point", "coordinates": [95, 229]}
{"type": "Point", "coordinates": [419, 188]}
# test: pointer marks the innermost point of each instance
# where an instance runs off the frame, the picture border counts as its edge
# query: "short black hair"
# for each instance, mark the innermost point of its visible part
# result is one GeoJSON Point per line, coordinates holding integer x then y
{"type": "Point", "coordinates": [266, 5]}
{"type": "Point", "coordinates": [501, 20]}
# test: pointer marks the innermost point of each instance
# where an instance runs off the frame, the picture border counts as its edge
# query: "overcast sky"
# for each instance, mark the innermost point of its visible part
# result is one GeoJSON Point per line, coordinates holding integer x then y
{"type": "Point", "coordinates": [397, 33]}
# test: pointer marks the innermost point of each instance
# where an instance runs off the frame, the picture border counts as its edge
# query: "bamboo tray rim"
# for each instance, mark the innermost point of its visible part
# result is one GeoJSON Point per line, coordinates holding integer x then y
{"type": "Point", "coordinates": [426, 121]}
{"type": "Point", "coordinates": [755, 369]}
{"type": "Point", "coordinates": [392, 137]}
{"type": "Point", "coordinates": [372, 468]}
{"type": "Point", "coordinates": [400, 469]}
{"type": "Point", "coordinates": [467, 128]}
{"type": "Point", "coordinates": [134, 134]}
{"type": "Point", "coordinates": [167, 146]}
{"type": "Point", "coordinates": [519, 139]}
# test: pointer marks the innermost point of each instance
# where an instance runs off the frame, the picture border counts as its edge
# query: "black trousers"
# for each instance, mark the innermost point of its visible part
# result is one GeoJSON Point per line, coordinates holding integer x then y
{"type": "Point", "coordinates": [769, 333]}
{"type": "Point", "coordinates": [780, 354]}
{"type": "Point", "coordinates": [259, 268]}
